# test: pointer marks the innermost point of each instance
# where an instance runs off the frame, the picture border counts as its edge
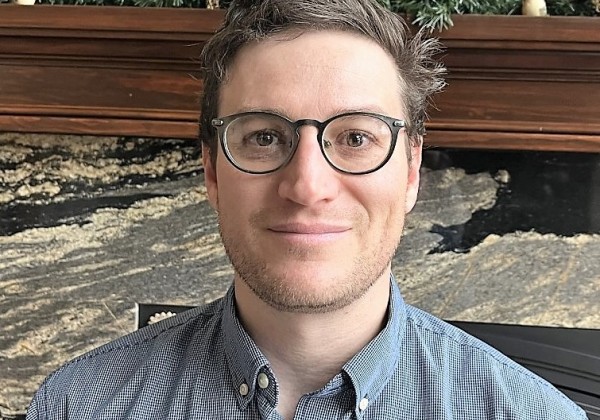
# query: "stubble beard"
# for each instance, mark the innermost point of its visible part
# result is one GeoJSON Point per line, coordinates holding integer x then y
{"type": "Point", "coordinates": [286, 295]}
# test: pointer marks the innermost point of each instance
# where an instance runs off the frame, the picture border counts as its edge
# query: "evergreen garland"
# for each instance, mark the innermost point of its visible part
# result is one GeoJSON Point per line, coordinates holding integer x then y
{"type": "Point", "coordinates": [430, 14]}
{"type": "Point", "coordinates": [573, 7]}
{"type": "Point", "coordinates": [436, 14]}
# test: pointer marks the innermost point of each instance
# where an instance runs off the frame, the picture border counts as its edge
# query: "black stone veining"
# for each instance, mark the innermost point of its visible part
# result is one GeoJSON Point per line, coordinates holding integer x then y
{"type": "Point", "coordinates": [545, 192]}
{"type": "Point", "coordinates": [19, 217]}
{"type": "Point", "coordinates": [56, 305]}
{"type": "Point", "coordinates": [78, 199]}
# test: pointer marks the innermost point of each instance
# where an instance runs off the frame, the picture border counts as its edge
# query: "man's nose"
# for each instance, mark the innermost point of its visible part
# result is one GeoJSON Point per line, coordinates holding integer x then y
{"type": "Point", "coordinates": [308, 178]}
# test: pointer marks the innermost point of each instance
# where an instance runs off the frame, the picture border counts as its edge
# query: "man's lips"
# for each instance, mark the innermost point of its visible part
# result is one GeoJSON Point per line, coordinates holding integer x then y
{"type": "Point", "coordinates": [309, 228]}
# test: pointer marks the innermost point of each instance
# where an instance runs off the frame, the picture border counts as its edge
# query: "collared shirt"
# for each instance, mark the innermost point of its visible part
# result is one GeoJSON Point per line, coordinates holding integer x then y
{"type": "Point", "coordinates": [201, 364]}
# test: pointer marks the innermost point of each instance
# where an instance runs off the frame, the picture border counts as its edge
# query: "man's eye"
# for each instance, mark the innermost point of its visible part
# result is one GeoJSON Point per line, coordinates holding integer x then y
{"type": "Point", "coordinates": [264, 138]}
{"type": "Point", "coordinates": [356, 139]}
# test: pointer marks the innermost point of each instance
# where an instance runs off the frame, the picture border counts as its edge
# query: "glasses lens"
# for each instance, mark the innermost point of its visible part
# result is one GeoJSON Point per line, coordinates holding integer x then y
{"type": "Point", "coordinates": [357, 143]}
{"type": "Point", "coordinates": [259, 142]}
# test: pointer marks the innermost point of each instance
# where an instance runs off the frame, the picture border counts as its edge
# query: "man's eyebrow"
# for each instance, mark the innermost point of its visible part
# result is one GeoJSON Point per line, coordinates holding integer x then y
{"type": "Point", "coordinates": [372, 108]}
{"type": "Point", "coordinates": [272, 110]}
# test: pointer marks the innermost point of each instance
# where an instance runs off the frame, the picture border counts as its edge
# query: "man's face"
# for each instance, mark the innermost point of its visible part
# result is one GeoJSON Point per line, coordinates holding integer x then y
{"type": "Point", "coordinates": [308, 238]}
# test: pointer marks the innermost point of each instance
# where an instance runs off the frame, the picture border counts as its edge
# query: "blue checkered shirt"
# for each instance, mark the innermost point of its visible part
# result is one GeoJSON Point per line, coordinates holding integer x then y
{"type": "Point", "coordinates": [201, 364]}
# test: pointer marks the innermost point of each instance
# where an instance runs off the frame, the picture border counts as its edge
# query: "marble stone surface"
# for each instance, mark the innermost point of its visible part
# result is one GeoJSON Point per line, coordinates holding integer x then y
{"type": "Point", "coordinates": [89, 226]}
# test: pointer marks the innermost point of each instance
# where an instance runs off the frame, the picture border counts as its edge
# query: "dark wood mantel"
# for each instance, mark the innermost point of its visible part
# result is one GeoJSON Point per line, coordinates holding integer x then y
{"type": "Point", "coordinates": [520, 82]}
{"type": "Point", "coordinates": [514, 82]}
{"type": "Point", "coordinates": [102, 70]}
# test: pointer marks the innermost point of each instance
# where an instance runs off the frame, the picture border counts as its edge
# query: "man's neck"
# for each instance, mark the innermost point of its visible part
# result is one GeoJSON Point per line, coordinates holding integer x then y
{"type": "Point", "coordinates": [306, 350]}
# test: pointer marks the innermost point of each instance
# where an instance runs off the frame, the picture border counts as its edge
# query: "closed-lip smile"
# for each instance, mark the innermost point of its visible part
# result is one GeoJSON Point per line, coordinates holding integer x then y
{"type": "Point", "coordinates": [309, 228]}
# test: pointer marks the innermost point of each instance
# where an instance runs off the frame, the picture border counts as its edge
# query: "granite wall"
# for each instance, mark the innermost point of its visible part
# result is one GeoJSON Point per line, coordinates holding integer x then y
{"type": "Point", "coordinates": [89, 226]}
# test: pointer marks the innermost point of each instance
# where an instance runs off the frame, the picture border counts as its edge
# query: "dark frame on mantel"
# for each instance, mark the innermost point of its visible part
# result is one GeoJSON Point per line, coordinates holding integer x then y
{"type": "Point", "coordinates": [515, 82]}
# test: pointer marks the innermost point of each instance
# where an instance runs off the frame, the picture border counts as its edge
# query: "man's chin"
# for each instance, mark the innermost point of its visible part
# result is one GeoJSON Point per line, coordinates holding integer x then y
{"type": "Point", "coordinates": [307, 278]}
{"type": "Point", "coordinates": [307, 292]}
{"type": "Point", "coordinates": [307, 304]}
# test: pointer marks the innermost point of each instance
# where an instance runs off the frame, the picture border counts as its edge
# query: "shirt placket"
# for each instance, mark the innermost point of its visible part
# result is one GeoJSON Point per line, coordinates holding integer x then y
{"type": "Point", "coordinates": [265, 395]}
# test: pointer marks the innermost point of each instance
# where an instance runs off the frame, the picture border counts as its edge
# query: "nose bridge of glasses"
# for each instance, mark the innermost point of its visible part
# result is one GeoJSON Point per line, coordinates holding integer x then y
{"type": "Point", "coordinates": [308, 122]}
{"type": "Point", "coordinates": [317, 133]}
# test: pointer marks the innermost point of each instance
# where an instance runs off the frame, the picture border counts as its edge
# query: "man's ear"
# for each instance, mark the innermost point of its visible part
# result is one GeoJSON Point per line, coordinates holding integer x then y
{"type": "Point", "coordinates": [210, 178]}
{"type": "Point", "coordinates": [412, 183]}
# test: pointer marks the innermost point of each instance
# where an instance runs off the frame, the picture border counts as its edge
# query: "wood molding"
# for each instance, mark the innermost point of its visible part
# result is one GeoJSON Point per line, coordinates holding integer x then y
{"type": "Point", "coordinates": [102, 70]}
{"type": "Point", "coordinates": [512, 141]}
{"type": "Point", "coordinates": [111, 22]}
{"type": "Point", "coordinates": [519, 82]}
{"type": "Point", "coordinates": [514, 81]}
{"type": "Point", "coordinates": [522, 29]}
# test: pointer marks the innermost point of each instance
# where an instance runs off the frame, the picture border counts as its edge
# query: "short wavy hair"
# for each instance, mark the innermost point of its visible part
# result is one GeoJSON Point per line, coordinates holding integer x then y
{"type": "Point", "coordinates": [247, 21]}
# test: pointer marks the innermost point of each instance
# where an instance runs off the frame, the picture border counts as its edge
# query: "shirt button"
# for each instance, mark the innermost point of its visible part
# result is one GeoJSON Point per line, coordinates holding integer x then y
{"type": "Point", "coordinates": [244, 390]}
{"type": "Point", "coordinates": [263, 380]}
{"type": "Point", "coordinates": [363, 404]}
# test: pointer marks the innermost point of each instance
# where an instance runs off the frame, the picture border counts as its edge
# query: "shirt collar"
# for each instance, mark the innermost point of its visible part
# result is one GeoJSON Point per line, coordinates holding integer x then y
{"type": "Point", "coordinates": [244, 358]}
{"type": "Point", "coordinates": [371, 368]}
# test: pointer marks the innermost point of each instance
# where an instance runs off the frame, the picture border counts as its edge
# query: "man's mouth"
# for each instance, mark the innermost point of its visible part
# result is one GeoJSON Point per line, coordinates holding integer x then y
{"type": "Point", "coordinates": [309, 228]}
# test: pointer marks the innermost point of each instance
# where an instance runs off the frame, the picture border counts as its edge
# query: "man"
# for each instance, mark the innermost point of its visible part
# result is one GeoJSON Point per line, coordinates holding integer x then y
{"type": "Point", "coordinates": [312, 121]}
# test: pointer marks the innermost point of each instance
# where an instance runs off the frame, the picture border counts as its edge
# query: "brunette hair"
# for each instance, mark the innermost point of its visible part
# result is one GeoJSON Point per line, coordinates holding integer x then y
{"type": "Point", "coordinates": [247, 21]}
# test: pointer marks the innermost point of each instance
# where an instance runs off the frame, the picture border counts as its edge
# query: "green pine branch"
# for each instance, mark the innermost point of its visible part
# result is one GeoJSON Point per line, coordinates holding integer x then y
{"type": "Point", "coordinates": [436, 15]}
{"type": "Point", "coordinates": [433, 15]}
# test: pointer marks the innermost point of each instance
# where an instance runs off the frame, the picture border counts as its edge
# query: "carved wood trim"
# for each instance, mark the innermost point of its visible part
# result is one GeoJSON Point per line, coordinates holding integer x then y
{"type": "Point", "coordinates": [519, 82]}
{"type": "Point", "coordinates": [514, 81]}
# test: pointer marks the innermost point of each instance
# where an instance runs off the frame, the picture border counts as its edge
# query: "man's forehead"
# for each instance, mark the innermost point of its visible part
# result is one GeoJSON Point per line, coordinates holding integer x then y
{"type": "Point", "coordinates": [325, 38]}
{"type": "Point", "coordinates": [336, 65]}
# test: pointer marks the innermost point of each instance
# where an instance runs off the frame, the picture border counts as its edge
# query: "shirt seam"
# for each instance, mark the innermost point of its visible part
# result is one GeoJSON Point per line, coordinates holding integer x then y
{"type": "Point", "coordinates": [98, 352]}
{"type": "Point", "coordinates": [477, 349]}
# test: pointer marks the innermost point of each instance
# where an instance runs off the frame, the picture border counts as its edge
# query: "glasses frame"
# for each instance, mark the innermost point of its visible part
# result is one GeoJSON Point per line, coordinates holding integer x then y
{"type": "Point", "coordinates": [222, 123]}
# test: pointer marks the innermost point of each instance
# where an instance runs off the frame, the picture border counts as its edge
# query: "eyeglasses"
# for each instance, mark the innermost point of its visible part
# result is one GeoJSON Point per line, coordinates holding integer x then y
{"type": "Point", "coordinates": [354, 143]}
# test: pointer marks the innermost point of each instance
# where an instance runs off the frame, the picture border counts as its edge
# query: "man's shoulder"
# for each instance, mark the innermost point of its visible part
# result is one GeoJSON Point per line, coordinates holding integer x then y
{"type": "Point", "coordinates": [463, 363]}
{"type": "Point", "coordinates": [166, 339]}
{"type": "Point", "coordinates": [433, 330]}
{"type": "Point", "coordinates": [425, 332]}
{"type": "Point", "coordinates": [150, 364]}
